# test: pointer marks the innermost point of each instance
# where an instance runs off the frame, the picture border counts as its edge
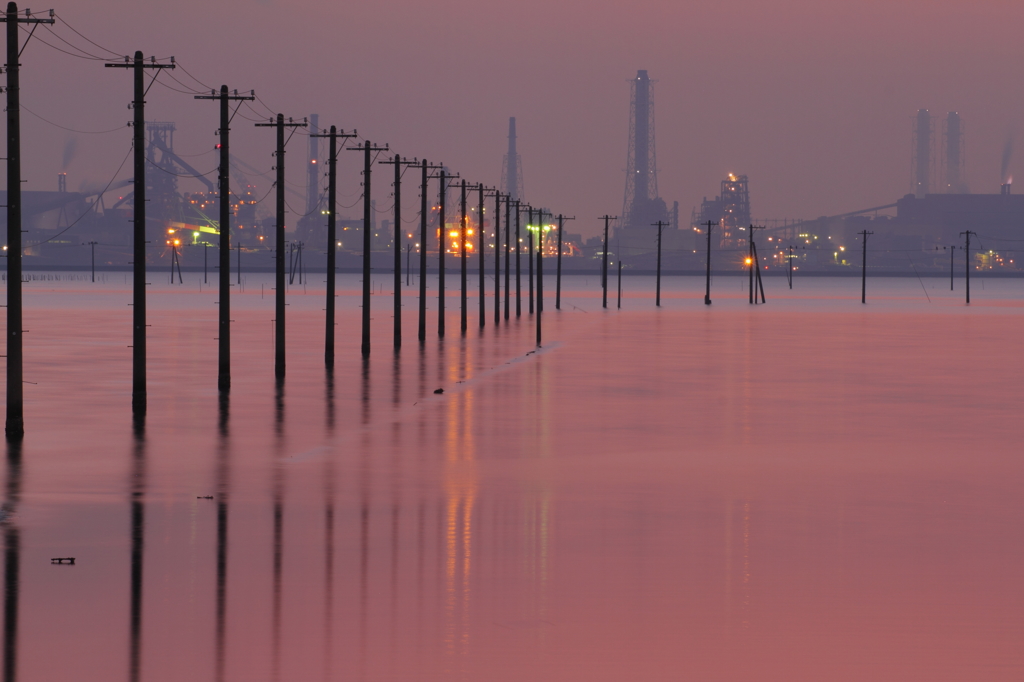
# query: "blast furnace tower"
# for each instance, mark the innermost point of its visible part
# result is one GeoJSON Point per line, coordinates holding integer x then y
{"type": "Point", "coordinates": [922, 159]}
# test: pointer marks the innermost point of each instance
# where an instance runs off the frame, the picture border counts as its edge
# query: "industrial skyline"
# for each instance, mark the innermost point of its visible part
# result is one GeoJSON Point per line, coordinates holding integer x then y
{"type": "Point", "coordinates": [817, 131]}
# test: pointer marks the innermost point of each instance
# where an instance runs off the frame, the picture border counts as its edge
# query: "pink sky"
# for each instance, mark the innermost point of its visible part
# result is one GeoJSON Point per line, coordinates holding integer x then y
{"type": "Point", "coordinates": [812, 100]}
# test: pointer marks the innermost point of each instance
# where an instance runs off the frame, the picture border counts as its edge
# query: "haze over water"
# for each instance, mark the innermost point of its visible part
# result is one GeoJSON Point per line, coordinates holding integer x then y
{"type": "Point", "coordinates": [812, 489]}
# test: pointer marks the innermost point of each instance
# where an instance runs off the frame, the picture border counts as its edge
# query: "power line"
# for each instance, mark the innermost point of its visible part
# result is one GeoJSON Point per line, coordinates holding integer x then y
{"type": "Point", "coordinates": [65, 22]}
{"type": "Point", "coordinates": [73, 130]}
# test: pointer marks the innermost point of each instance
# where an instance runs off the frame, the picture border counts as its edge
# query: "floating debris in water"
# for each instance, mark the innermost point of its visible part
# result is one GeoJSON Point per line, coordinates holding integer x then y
{"type": "Point", "coordinates": [63, 560]}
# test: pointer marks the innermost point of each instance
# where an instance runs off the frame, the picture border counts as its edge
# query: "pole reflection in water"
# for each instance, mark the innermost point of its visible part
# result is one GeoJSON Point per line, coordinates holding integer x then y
{"type": "Point", "coordinates": [138, 528]}
{"type": "Point", "coordinates": [222, 488]}
{"type": "Point", "coordinates": [329, 529]}
{"type": "Point", "coordinates": [12, 560]}
{"type": "Point", "coordinates": [364, 524]}
{"type": "Point", "coordinates": [278, 541]}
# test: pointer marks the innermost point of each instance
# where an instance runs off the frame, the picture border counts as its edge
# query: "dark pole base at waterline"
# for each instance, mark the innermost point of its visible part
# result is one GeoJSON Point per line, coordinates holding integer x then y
{"type": "Point", "coordinates": [15, 428]}
{"type": "Point", "coordinates": [139, 403]}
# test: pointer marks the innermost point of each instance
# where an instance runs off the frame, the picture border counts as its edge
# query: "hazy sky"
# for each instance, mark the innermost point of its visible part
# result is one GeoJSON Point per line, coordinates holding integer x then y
{"type": "Point", "coordinates": [813, 100]}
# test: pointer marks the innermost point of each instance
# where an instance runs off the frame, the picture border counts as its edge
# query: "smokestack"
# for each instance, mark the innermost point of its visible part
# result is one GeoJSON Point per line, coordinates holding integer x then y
{"type": "Point", "coordinates": [954, 153]}
{"type": "Point", "coordinates": [62, 182]}
{"type": "Point", "coordinates": [922, 153]}
{"type": "Point", "coordinates": [641, 136]}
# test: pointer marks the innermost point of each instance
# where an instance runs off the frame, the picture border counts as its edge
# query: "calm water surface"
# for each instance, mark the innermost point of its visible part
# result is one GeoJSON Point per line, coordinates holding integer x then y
{"type": "Point", "coordinates": [807, 490]}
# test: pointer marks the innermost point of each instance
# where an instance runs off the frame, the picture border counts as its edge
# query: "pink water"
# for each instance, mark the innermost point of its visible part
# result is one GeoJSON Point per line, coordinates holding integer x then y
{"type": "Point", "coordinates": [807, 490]}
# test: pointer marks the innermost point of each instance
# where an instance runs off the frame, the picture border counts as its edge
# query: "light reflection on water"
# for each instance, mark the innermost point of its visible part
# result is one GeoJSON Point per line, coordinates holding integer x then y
{"type": "Point", "coordinates": [805, 490]}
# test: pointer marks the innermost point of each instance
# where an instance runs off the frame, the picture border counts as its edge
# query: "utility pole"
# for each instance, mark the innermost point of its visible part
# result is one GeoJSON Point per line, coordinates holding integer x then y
{"type": "Point", "coordinates": [224, 328]}
{"type": "Point", "coordinates": [463, 224]}
{"type": "Point", "coordinates": [138, 66]}
{"type": "Point", "coordinates": [367, 148]}
{"type": "Point", "coordinates": [619, 299]}
{"type": "Point", "coordinates": [481, 240]}
{"type": "Point", "coordinates": [519, 251]}
{"type": "Point", "coordinates": [497, 258]}
{"type": "Point", "coordinates": [332, 235]}
{"type": "Point", "coordinates": [15, 424]}
{"type": "Point", "coordinates": [92, 245]}
{"type": "Point", "coordinates": [280, 125]}
{"type": "Point", "coordinates": [864, 266]}
{"type": "Point", "coordinates": [529, 251]}
{"type": "Point", "coordinates": [424, 213]}
{"type": "Point", "coordinates": [408, 264]}
{"type": "Point", "coordinates": [558, 279]}
{"type": "Point", "coordinates": [540, 272]}
{"type": "Point", "coordinates": [791, 266]}
{"type": "Point", "coordinates": [441, 241]}
{"type": "Point", "coordinates": [754, 265]}
{"type": "Point", "coordinates": [967, 262]}
{"type": "Point", "coordinates": [398, 162]}
{"type": "Point", "coordinates": [657, 295]}
{"type": "Point", "coordinates": [707, 279]}
{"type": "Point", "coordinates": [604, 263]}
{"type": "Point", "coordinates": [952, 249]}
{"type": "Point", "coordinates": [508, 240]}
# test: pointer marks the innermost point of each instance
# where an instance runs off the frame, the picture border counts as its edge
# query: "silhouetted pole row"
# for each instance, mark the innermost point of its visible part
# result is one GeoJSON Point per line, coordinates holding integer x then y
{"type": "Point", "coordinates": [139, 232]}
{"type": "Point", "coordinates": [967, 261]}
{"type": "Point", "coordinates": [757, 264]}
{"type": "Point", "coordinates": [707, 279]}
{"type": "Point", "coordinates": [558, 278]}
{"type": "Point", "coordinates": [92, 259]}
{"type": "Point", "coordinates": [398, 163]}
{"type": "Point", "coordinates": [279, 338]}
{"type": "Point", "coordinates": [332, 235]}
{"type": "Point", "coordinates": [864, 267]}
{"type": "Point", "coordinates": [15, 422]}
{"type": "Point", "coordinates": [604, 262]}
{"type": "Point", "coordinates": [223, 178]}
{"type": "Point", "coordinates": [657, 287]}
{"type": "Point", "coordinates": [425, 168]}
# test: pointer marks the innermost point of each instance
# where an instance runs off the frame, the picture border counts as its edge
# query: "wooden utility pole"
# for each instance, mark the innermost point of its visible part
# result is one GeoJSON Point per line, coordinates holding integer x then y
{"type": "Point", "coordinates": [368, 149]}
{"type": "Point", "coordinates": [442, 240]}
{"type": "Point", "coordinates": [279, 338]}
{"type": "Point", "coordinates": [508, 246]}
{"type": "Point", "coordinates": [791, 267]}
{"type": "Point", "coordinates": [707, 280]}
{"type": "Point", "coordinates": [604, 262]}
{"type": "Point", "coordinates": [657, 295]}
{"type": "Point", "coordinates": [967, 262]}
{"type": "Point", "coordinates": [15, 423]}
{"type": "Point", "coordinates": [481, 241]}
{"type": "Point", "coordinates": [138, 67]}
{"type": "Point", "coordinates": [529, 254]}
{"type": "Point", "coordinates": [332, 235]}
{"type": "Point", "coordinates": [864, 266]}
{"type": "Point", "coordinates": [223, 178]}
{"type": "Point", "coordinates": [558, 278]}
{"type": "Point", "coordinates": [92, 245]}
{"type": "Point", "coordinates": [754, 266]}
{"type": "Point", "coordinates": [497, 257]}
{"type": "Point", "coordinates": [424, 215]}
{"type": "Point", "coordinates": [519, 251]}
{"type": "Point", "coordinates": [398, 162]}
{"type": "Point", "coordinates": [540, 271]}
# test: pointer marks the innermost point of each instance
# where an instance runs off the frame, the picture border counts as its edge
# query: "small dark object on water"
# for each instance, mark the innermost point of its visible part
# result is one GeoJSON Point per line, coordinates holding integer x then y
{"type": "Point", "coordinates": [205, 497]}
{"type": "Point", "coordinates": [63, 560]}
{"type": "Point", "coordinates": [438, 390]}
